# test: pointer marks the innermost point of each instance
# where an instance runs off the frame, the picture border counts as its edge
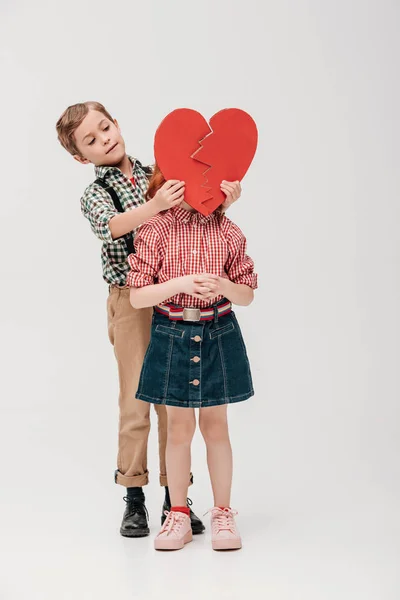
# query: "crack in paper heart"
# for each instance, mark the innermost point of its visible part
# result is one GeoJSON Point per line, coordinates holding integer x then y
{"type": "Point", "coordinates": [194, 156]}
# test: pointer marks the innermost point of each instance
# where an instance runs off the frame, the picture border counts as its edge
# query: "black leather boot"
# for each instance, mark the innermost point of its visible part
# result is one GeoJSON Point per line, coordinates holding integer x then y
{"type": "Point", "coordinates": [134, 522]}
{"type": "Point", "coordinates": [197, 525]}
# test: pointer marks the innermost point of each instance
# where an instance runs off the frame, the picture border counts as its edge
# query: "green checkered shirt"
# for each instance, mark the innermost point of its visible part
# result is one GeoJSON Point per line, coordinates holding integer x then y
{"type": "Point", "coordinates": [97, 206]}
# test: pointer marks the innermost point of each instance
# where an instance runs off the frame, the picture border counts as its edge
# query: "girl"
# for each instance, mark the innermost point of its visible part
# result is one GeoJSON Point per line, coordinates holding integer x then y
{"type": "Point", "coordinates": [191, 268]}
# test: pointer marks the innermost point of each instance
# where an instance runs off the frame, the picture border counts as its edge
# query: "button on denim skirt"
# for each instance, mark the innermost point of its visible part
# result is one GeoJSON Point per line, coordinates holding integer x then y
{"type": "Point", "coordinates": [195, 364]}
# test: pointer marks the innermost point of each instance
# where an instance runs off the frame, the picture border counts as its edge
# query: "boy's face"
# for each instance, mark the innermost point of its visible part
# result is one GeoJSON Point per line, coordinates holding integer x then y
{"type": "Point", "coordinates": [99, 140]}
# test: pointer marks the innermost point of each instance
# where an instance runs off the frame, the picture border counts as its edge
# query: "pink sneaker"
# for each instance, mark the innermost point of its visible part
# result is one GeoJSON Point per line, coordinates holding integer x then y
{"type": "Point", "coordinates": [225, 535]}
{"type": "Point", "coordinates": [175, 533]}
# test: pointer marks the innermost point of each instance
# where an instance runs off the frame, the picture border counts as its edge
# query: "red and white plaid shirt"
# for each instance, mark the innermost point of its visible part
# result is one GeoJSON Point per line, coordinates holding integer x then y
{"type": "Point", "coordinates": [179, 242]}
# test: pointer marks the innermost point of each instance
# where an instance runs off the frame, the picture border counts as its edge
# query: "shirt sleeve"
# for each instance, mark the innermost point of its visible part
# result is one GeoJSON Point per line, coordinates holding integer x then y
{"type": "Point", "coordinates": [145, 264]}
{"type": "Point", "coordinates": [239, 266]}
{"type": "Point", "coordinates": [98, 208]}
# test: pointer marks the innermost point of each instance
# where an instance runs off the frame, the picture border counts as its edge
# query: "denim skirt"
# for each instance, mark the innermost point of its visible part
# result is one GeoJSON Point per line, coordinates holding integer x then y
{"type": "Point", "coordinates": [195, 364]}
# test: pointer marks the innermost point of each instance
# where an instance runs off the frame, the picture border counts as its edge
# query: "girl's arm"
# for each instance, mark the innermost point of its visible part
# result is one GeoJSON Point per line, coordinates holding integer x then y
{"type": "Point", "coordinates": [145, 265]}
{"type": "Point", "coordinates": [150, 295]}
{"type": "Point", "coordinates": [238, 293]}
{"type": "Point", "coordinates": [239, 281]}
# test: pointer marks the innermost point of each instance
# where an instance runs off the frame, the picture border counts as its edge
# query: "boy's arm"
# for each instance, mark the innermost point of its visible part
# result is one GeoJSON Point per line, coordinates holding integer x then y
{"type": "Point", "coordinates": [122, 223]}
{"type": "Point", "coordinates": [98, 208]}
{"type": "Point", "coordinates": [168, 196]}
{"type": "Point", "coordinates": [232, 191]}
{"type": "Point", "coordinates": [109, 225]}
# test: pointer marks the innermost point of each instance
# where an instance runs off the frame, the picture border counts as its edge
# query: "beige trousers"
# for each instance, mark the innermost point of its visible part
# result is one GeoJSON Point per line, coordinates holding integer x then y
{"type": "Point", "coordinates": [129, 333]}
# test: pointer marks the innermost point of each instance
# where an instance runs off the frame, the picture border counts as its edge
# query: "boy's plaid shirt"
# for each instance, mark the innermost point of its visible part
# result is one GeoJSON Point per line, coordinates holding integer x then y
{"type": "Point", "coordinates": [97, 206]}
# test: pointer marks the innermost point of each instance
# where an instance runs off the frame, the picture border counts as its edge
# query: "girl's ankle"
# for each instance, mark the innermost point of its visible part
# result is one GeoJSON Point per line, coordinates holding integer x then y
{"type": "Point", "coordinates": [182, 509]}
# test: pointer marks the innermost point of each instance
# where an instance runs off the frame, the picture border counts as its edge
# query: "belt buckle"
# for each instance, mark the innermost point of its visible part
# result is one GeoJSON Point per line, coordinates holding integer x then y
{"type": "Point", "coordinates": [191, 314]}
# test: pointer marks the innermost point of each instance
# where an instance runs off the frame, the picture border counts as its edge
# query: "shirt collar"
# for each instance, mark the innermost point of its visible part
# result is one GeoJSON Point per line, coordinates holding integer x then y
{"type": "Point", "coordinates": [186, 216]}
{"type": "Point", "coordinates": [102, 171]}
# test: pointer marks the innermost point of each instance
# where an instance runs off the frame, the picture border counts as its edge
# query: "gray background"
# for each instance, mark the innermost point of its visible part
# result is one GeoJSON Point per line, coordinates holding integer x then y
{"type": "Point", "coordinates": [317, 450]}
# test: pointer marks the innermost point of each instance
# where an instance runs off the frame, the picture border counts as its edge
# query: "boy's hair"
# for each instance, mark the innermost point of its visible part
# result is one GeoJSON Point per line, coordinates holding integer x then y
{"type": "Point", "coordinates": [70, 120]}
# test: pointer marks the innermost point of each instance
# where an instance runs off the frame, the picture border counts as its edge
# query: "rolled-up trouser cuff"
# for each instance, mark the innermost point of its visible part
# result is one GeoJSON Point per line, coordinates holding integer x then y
{"type": "Point", "coordinates": [141, 480]}
{"type": "Point", "coordinates": [135, 481]}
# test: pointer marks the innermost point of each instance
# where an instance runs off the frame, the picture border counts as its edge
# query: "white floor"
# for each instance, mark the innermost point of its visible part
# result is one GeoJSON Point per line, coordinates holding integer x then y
{"type": "Point", "coordinates": [318, 508]}
{"type": "Point", "coordinates": [55, 550]}
{"type": "Point", "coordinates": [312, 529]}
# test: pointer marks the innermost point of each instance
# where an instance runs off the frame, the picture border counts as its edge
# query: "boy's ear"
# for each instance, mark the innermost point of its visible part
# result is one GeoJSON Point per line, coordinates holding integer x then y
{"type": "Point", "coordinates": [117, 125]}
{"type": "Point", "coordinates": [80, 159]}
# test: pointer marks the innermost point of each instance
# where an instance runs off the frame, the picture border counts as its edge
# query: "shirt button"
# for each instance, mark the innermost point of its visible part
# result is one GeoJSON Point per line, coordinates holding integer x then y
{"type": "Point", "coordinates": [197, 338]}
{"type": "Point", "coordinates": [196, 359]}
{"type": "Point", "coordinates": [195, 382]}
{"type": "Point", "coordinates": [194, 252]}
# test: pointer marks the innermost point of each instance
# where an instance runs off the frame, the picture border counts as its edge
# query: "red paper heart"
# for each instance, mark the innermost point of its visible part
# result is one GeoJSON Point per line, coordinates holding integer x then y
{"type": "Point", "coordinates": [202, 155]}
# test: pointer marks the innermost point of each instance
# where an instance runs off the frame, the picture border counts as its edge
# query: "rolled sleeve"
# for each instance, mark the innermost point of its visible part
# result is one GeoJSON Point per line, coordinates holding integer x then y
{"type": "Point", "coordinates": [240, 267]}
{"type": "Point", "coordinates": [98, 208]}
{"type": "Point", "coordinates": [145, 263]}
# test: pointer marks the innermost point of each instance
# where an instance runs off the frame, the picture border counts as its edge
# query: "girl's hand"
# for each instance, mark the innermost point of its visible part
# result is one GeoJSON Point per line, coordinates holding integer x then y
{"type": "Point", "coordinates": [169, 195]}
{"type": "Point", "coordinates": [198, 286]}
{"type": "Point", "coordinates": [213, 285]}
{"type": "Point", "coordinates": [232, 191]}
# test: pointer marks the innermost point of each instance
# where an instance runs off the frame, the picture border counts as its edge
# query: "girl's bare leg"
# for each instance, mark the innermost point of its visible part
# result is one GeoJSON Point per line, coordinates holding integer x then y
{"type": "Point", "coordinates": [214, 428]}
{"type": "Point", "coordinates": [181, 428]}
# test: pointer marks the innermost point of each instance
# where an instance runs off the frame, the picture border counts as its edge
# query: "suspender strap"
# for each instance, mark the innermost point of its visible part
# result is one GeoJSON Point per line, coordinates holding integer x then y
{"type": "Point", "coordinates": [117, 203]}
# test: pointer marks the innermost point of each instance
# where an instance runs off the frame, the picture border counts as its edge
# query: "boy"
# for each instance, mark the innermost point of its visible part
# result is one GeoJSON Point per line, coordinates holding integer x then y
{"type": "Point", "coordinates": [115, 206]}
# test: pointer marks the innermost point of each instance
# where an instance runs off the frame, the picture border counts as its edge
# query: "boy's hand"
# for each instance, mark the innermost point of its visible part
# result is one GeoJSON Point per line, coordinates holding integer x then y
{"type": "Point", "coordinates": [232, 191]}
{"type": "Point", "coordinates": [169, 195]}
